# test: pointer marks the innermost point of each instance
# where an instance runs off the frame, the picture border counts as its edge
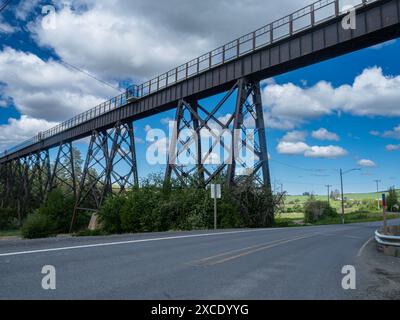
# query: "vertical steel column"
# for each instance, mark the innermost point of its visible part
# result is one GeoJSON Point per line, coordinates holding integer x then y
{"type": "Point", "coordinates": [101, 171]}
{"type": "Point", "coordinates": [237, 124]}
{"type": "Point", "coordinates": [248, 104]}
{"type": "Point", "coordinates": [64, 174]}
{"type": "Point", "coordinates": [197, 128]}
{"type": "Point", "coordinates": [123, 152]}
{"type": "Point", "coordinates": [94, 185]}
{"type": "Point", "coordinates": [262, 136]}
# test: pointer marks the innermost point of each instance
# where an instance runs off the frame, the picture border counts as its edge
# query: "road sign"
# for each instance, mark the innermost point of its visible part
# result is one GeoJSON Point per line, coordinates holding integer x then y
{"type": "Point", "coordinates": [384, 213]}
{"type": "Point", "coordinates": [215, 194]}
{"type": "Point", "coordinates": [216, 191]}
{"type": "Point", "coordinates": [384, 199]}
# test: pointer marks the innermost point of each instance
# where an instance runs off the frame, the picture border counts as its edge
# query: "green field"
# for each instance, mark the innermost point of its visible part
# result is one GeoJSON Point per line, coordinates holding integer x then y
{"type": "Point", "coordinates": [356, 209]}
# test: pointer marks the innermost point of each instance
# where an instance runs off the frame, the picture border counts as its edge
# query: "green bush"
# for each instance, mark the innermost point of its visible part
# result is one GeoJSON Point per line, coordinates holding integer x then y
{"type": "Point", "coordinates": [59, 209]}
{"type": "Point", "coordinates": [157, 207]}
{"type": "Point", "coordinates": [315, 210]}
{"type": "Point", "coordinates": [38, 226]}
{"type": "Point", "coordinates": [392, 200]}
{"type": "Point", "coordinates": [8, 219]}
{"type": "Point", "coordinates": [110, 214]}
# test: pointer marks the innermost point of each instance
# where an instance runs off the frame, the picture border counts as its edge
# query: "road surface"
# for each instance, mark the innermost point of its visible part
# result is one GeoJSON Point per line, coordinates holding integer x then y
{"type": "Point", "coordinates": [292, 263]}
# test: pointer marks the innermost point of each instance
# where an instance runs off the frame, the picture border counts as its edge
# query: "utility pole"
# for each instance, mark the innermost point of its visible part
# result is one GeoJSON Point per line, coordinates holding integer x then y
{"type": "Point", "coordinates": [329, 194]}
{"type": "Point", "coordinates": [377, 191]}
{"type": "Point", "coordinates": [341, 184]}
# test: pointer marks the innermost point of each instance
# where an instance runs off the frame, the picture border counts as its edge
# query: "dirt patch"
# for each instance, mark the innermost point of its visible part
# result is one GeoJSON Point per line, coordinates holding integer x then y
{"type": "Point", "coordinates": [378, 275]}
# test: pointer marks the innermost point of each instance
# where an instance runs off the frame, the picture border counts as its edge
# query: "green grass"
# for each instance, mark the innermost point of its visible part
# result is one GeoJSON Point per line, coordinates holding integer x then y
{"type": "Point", "coordinates": [10, 233]}
{"type": "Point", "coordinates": [354, 217]}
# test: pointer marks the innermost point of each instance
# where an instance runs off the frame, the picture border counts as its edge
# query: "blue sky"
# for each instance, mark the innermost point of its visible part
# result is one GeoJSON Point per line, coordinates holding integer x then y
{"type": "Point", "coordinates": [342, 113]}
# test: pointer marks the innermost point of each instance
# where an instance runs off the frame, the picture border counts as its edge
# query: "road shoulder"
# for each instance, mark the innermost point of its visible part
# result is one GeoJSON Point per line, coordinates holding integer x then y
{"type": "Point", "coordinates": [378, 274]}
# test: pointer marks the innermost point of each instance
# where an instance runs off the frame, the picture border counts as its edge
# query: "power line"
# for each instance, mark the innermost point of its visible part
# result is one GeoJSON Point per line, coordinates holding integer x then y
{"type": "Point", "coordinates": [4, 5]}
{"type": "Point", "coordinates": [69, 65]}
{"type": "Point", "coordinates": [297, 167]}
{"type": "Point", "coordinates": [89, 75]}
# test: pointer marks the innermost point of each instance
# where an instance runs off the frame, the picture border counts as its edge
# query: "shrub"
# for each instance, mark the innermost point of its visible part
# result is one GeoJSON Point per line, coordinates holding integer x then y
{"type": "Point", "coordinates": [315, 210]}
{"type": "Point", "coordinates": [58, 208]}
{"type": "Point", "coordinates": [8, 219]}
{"type": "Point", "coordinates": [38, 226]}
{"type": "Point", "coordinates": [137, 214]}
{"type": "Point", "coordinates": [110, 214]}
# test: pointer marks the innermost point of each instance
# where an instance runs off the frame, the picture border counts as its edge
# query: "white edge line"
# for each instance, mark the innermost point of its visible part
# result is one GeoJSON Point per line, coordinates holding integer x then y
{"type": "Point", "coordinates": [364, 246]}
{"type": "Point", "coordinates": [131, 242]}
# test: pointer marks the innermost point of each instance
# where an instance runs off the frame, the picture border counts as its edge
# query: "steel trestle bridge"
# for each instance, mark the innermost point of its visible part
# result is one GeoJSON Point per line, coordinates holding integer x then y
{"type": "Point", "coordinates": [307, 36]}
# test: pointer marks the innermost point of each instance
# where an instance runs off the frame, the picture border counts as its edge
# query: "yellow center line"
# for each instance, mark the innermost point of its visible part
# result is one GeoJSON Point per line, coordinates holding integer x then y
{"type": "Point", "coordinates": [203, 261]}
{"type": "Point", "coordinates": [257, 250]}
{"type": "Point", "coordinates": [247, 251]}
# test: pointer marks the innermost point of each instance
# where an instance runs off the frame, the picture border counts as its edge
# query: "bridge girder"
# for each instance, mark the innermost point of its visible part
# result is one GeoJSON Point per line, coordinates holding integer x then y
{"type": "Point", "coordinates": [188, 117]}
{"type": "Point", "coordinates": [102, 174]}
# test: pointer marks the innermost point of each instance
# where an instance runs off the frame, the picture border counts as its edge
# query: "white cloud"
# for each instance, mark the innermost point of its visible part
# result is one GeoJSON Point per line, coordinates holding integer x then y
{"type": "Point", "coordinates": [17, 131]}
{"type": "Point", "coordinates": [301, 148]}
{"type": "Point", "coordinates": [366, 163]}
{"type": "Point", "coordinates": [166, 121]}
{"type": "Point", "coordinates": [287, 106]}
{"type": "Point", "coordinates": [6, 28]}
{"type": "Point", "coordinates": [141, 39]}
{"type": "Point", "coordinates": [295, 136]}
{"type": "Point", "coordinates": [292, 148]}
{"type": "Point", "coordinates": [394, 134]}
{"type": "Point", "coordinates": [372, 93]}
{"type": "Point", "coordinates": [47, 89]}
{"type": "Point", "coordinates": [393, 147]}
{"type": "Point", "coordinates": [326, 152]}
{"type": "Point", "coordinates": [324, 135]}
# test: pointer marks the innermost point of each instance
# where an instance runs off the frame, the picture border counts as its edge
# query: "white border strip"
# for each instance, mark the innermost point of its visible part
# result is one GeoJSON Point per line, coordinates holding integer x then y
{"type": "Point", "coordinates": [132, 242]}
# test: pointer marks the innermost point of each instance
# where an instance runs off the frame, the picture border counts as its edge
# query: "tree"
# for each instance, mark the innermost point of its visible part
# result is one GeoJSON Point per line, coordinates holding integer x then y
{"type": "Point", "coordinates": [392, 200]}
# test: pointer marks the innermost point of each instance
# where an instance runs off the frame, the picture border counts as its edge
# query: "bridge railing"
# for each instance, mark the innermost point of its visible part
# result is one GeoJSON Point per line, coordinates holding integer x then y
{"type": "Point", "coordinates": [285, 27]}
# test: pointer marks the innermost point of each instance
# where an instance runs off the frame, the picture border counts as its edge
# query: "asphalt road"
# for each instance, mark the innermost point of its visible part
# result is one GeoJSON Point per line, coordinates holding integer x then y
{"type": "Point", "coordinates": [294, 263]}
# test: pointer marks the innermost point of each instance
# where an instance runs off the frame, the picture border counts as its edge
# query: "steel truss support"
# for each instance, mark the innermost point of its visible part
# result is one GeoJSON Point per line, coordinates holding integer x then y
{"type": "Point", "coordinates": [64, 173]}
{"type": "Point", "coordinates": [3, 184]}
{"type": "Point", "coordinates": [110, 167]}
{"type": "Point", "coordinates": [248, 115]}
{"type": "Point", "coordinates": [40, 175]}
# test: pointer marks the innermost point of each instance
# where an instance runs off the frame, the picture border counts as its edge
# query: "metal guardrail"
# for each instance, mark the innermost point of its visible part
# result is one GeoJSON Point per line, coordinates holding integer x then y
{"type": "Point", "coordinates": [387, 240]}
{"type": "Point", "coordinates": [285, 27]}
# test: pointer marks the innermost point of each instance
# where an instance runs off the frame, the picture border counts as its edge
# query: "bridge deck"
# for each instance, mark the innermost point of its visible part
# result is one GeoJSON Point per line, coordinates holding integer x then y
{"type": "Point", "coordinates": [280, 47]}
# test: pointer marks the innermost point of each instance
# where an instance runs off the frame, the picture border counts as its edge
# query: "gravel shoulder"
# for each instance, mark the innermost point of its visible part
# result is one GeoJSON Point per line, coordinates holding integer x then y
{"type": "Point", "coordinates": [378, 275]}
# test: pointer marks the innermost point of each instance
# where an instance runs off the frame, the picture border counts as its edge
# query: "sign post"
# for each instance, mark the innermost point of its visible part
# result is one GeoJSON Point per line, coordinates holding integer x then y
{"type": "Point", "coordinates": [384, 206]}
{"type": "Point", "coordinates": [215, 194]}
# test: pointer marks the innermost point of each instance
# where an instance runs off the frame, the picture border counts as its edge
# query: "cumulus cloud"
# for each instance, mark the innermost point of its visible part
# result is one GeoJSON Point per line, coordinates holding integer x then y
{"type": "Point", "coordinates": [327, 152]}
{"type": "Point", "coordinates": [393, 147]}
{"type": "Point", "coordinates": [301, 148]}
{"type": "Point", "coordinates": [140, 39]}
{"type": "Point", "coordinates": [372, 93]}
{"type": "Point", "coordinates": [47, 89]}
{"type": "Point", "coordinates": [295, 136]}
{"type": "Point", "coordinates": [18, 130]}
{"type": "Point", "coordinates": [394, 134]}
{"type": "Point", "coordinates": [293, 143]}
{"type": "Point", "coordinates": [366, 163]}
{"type": "Point", "coordinates": [324, 135]}
{"type": "Point", "coordinates": [292, 148]}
